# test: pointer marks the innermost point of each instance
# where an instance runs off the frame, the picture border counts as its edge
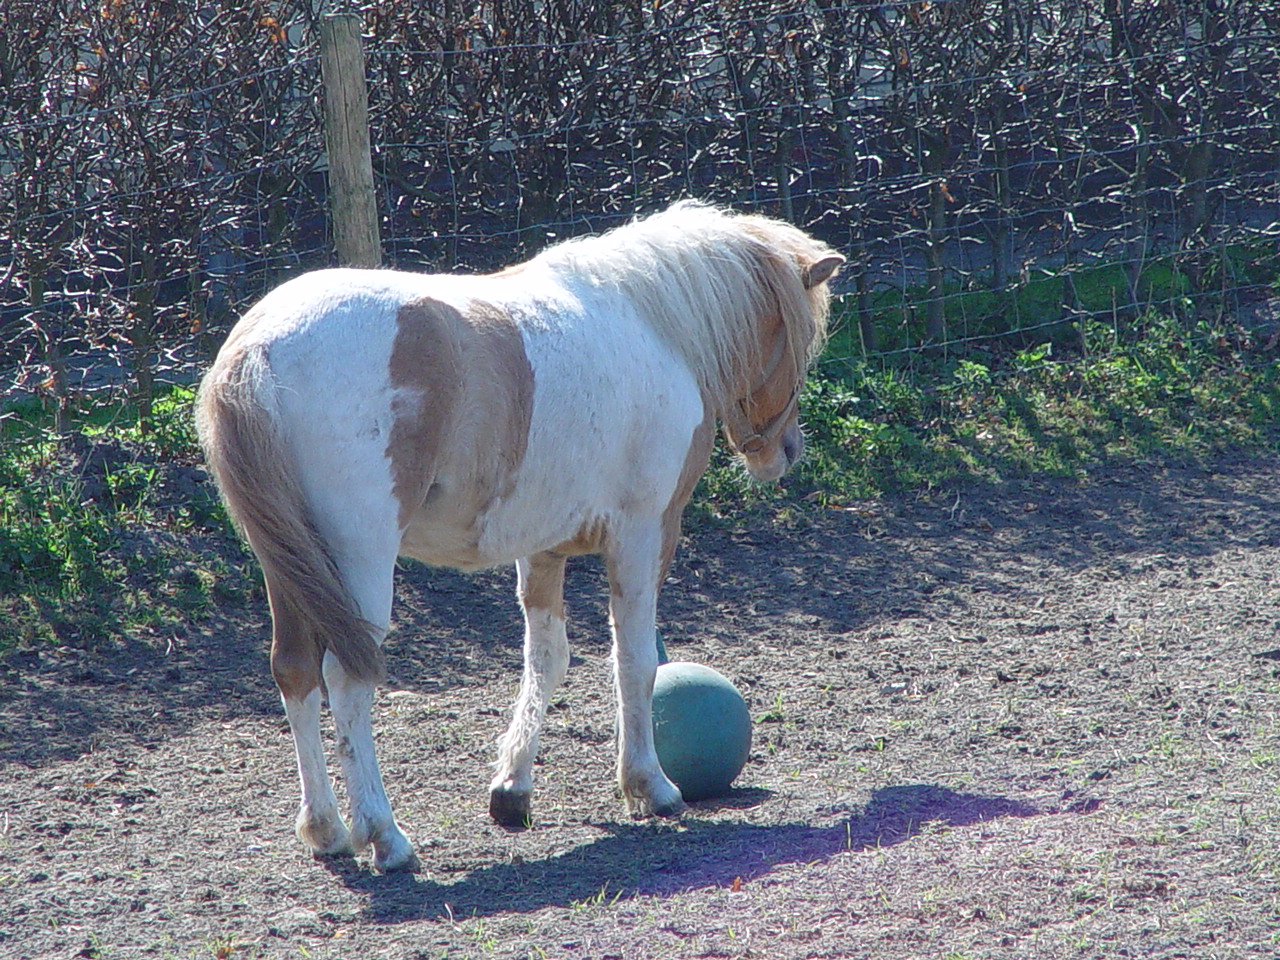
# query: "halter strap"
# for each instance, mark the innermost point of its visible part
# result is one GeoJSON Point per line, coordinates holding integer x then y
{"type": "Point", "coordinates": [764, 433]}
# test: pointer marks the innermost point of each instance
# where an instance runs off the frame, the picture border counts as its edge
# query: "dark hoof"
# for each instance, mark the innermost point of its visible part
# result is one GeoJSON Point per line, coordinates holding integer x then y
{"type": "Point", "coordinates": [511, 809]}
{"type": "Point", "coordinates": [412, 865]}
{"type": "Point", "coordinates": [670, 811]}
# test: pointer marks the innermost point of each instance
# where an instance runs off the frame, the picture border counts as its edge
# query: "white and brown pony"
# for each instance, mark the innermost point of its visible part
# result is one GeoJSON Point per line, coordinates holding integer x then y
{"type": "Point", "coordinates": [563, 406]}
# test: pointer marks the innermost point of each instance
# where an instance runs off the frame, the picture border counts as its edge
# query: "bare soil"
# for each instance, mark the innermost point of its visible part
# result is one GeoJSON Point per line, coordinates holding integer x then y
{"type": "Point", "coordinates": [1033, 719]}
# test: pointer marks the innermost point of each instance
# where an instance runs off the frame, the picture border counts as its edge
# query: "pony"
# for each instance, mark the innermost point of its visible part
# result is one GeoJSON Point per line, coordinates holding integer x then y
{"type": "Point", "coordinates": [563, 406]}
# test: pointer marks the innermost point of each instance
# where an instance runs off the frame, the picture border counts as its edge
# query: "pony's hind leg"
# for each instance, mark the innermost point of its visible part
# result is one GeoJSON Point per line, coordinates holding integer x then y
{"type": "Point", "coordinates": [295, 665]}
{"type": "Point", "coordinates": [546, 660]}
{"type": "Point", "coordinates": [351, 703]}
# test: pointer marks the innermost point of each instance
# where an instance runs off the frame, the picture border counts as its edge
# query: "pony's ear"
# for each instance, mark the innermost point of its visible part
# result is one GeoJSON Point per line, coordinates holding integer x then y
{"type": "Point", "coordinates": [822, 271]}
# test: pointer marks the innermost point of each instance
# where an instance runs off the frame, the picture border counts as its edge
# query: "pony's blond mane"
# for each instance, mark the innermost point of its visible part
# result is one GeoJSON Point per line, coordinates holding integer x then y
{"type": "Point", "coordinates": [703, 277]}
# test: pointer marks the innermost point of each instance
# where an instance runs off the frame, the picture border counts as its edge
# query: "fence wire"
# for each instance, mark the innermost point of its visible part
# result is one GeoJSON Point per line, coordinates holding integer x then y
{"type": "Point", "coordinates": [991, 169]}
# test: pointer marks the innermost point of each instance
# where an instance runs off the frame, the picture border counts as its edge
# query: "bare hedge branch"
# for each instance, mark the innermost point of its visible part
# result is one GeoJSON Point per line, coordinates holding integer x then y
{"type": "Point", "coordinates": [163, 162]}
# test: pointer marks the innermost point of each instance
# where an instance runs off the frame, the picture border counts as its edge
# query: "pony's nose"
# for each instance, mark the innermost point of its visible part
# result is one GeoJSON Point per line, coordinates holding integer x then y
{"type": "Point", "coordinates": [792, 446]}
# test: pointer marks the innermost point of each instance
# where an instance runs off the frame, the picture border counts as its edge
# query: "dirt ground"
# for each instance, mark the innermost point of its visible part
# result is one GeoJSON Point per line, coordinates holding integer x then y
{"type": "Point", "coordinates": [1030, 720]}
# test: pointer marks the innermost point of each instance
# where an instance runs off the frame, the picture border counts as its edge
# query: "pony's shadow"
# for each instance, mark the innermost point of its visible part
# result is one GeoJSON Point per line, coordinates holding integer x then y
{"type": "Point", "coordinates": [647, 859]}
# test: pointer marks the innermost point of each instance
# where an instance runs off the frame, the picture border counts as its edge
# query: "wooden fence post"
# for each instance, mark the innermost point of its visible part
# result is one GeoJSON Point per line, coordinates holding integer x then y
{"type": "Point", "coordinates": [352, 201]}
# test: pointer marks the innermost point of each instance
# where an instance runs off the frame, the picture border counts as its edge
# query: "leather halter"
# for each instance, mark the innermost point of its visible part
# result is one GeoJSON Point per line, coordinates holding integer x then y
{"type": "Point", "coordinates": [764, 433]}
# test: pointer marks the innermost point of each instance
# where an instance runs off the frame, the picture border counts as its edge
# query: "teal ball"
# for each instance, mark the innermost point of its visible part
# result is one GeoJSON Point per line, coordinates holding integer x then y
{"type": "Point", "coordinates": [701, 729]}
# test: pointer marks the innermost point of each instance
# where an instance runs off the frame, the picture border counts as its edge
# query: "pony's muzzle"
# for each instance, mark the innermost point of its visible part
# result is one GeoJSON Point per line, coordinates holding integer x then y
{"type": "Point", "coordinates": [793, 446]}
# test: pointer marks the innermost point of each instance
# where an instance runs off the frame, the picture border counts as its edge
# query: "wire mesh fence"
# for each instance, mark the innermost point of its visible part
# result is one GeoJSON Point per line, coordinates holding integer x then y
{"type": "Point", "coordinates": [990, 168]}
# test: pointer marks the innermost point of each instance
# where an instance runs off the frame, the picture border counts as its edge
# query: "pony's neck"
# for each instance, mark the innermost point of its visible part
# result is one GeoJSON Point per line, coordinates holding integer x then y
{"type": "Point", "coordinates": [700, 286]}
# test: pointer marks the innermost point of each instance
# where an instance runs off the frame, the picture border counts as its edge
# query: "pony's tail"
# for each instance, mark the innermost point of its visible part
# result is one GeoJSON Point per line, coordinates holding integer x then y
{"type": "Point", "coordinates": [236, 422]}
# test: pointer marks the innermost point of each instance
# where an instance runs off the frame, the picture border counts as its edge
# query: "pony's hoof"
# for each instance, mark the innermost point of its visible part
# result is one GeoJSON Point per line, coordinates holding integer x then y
{"type": "Point", "coordinates": [326, 837]}
{"type": "Point", "coordinates": [670, 810]}
{"type": "Point", "coordinates": [512, 809]}
{"type": "Point", "coordinates": [395, 856]}
{"type": "Point", "coordinates": [399, 864]}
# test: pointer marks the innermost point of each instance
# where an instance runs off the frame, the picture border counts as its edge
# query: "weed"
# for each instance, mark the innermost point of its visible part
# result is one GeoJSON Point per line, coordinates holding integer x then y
{"type": "Point", "coordinates": [1263, 758]}
{"type": "Point", "coordinates": [776, 714]}
{"type": "Point", "coordinates": [600, 898]}
{"type": "Point", "coordinates": [482, 936]}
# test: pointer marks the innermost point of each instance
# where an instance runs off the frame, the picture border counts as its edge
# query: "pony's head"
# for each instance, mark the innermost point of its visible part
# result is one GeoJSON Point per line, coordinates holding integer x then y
{"type": "Point", "coordinates": [742, 298]}
{"type": "Point", "coordinates": [761, 422]}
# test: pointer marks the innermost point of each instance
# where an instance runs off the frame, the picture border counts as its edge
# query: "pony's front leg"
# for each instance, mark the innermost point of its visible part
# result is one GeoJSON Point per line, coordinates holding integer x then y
{"type": "Point", "coordinates": [546, 660]}
{"type": "Point", "coordinates": [634, 574]}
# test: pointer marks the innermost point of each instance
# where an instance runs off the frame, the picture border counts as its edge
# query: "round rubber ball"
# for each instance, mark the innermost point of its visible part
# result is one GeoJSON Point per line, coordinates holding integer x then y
{"type": "Point", "coordinates": [701, 729]}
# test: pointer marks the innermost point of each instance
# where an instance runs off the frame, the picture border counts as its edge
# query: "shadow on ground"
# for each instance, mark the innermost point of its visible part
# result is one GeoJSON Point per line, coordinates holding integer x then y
{"type": "Point", "coordinates": [838, 571]}
{"type": "Point", "coordinates": [657, 860]}
{"type": "Point", "coordinates": [845, 569]}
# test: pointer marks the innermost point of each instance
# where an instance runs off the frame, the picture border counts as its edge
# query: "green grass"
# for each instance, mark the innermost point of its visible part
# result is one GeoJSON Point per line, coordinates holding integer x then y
{"type": "Point", "coordinates": [1035, 304]}
{"type": "Point", "coordinates": [1163, 387]}
{"type": "Point", "coordinates": [96, 544]}
{"type": "Point", "coordinates": [1021, 389]}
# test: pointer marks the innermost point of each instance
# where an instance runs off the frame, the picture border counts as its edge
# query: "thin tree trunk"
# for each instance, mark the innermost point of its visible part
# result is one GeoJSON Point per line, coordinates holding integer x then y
{"type": "Point", "coordinates": [933, 158]}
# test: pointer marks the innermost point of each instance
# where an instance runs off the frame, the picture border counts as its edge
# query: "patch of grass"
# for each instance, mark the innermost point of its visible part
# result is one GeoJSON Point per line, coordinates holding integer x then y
{"type": "Point", "coordinates": [1029, 307]}
{"type": "Point", "coordinates": [1162, 386]}
{"type": "Point", "coordinates": [111, 532]}
{"type": "Point", "coordinates": [603, 898]}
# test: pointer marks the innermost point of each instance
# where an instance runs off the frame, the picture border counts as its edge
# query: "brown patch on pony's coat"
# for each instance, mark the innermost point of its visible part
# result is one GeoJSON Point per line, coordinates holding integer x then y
{"type": "Point", "coordinates": [589, 538]}
{"type": "Point", "coordinates": [779, 373]}
{"type": "Point", "coordinates": [463, 388]}
{"type": "Point", "coordinates": [296, 658]}
{"type": "Point", "coordinates": [772, 385]}
{"type": "Point", "coordinates": [695, 465]}
{"type": "Point", "coordinates": [544, 588]}
{"type": "Point", "coordinates": [426, 376]}
{"type": "Point", "coordinates": [312, 610]}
